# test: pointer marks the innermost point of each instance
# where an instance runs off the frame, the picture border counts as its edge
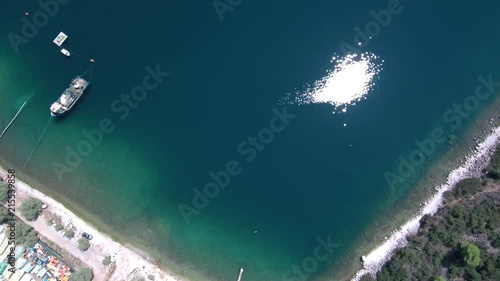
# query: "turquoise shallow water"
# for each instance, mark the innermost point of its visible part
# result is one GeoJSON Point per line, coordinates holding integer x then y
{"type": "Point", "coordinates": [225, 79]}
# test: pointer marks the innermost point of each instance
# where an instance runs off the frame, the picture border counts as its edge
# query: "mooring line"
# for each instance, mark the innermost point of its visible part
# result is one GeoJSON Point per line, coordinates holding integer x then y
{"type": "Point", "coordinates": [33, 151]}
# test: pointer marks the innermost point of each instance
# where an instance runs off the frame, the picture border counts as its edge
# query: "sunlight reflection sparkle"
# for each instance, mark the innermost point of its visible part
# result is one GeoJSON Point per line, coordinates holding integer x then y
{"type": "Point", "coordinates": [350, 81]}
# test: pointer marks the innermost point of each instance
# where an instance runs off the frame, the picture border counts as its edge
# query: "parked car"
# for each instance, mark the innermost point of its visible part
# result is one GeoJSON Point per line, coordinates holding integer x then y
{"type": "Point", "coordinates": [86, 235]}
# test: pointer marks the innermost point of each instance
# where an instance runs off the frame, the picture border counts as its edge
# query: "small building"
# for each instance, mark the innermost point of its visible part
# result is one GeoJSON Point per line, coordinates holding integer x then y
{"type": "Point", "coordinates": [29, 267]}
{"type": "Point", "coordinates": [3, 247]}
{"type": "Point", "coordinates": [2, 236]}
{"type": "Point", "coordinates": [17, 275]}
{"type": "Point", "coordinates": [20, 263]}
{"type": "Point", "coordinates": [3, 266]}
{"type": "Point", "coordinates": [42, 272]}
{"type": "Point", "coordinates": [27, 277]}
{"type": "Point", "coordinates": [19, 251]}
{"type": "Point", "coordinates": [36, 269]}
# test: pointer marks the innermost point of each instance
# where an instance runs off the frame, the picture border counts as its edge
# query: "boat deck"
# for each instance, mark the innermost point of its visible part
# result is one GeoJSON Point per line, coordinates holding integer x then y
{"type": "Point", "coordinates": [70, 96]}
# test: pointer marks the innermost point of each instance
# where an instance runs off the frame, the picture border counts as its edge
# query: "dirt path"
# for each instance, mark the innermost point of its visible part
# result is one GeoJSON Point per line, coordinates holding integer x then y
{"type": "Point", "coordinates": [492, 187]}
{"type": "Point", "coordinates": [90, 258]}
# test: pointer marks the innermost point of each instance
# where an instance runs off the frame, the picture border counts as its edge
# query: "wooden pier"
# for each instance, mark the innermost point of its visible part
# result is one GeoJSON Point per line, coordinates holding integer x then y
{"type": "Point", "coordinates": [241, 274]}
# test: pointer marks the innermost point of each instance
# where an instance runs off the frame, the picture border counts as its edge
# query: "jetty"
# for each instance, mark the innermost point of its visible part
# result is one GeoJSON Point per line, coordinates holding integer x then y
{"type": "Point", "coordinates": [241, 274]}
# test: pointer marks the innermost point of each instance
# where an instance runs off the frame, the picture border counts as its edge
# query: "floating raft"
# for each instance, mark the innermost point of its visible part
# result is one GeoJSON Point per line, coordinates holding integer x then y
{"type": "Point", "coordinates": [60, 39]}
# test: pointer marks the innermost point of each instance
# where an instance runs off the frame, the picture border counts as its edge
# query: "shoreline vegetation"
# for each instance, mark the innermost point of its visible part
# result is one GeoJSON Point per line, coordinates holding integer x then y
{"type": "Point", "coordinates": [134, 261]}
{"type": "Point", "coordinates": [61, 229]}
{"type": "Point", "coordinates": [130, 258]}
{"type": "Point", "coordinates": [476, 163]}
{"type": "Point", "coordinates": [461, 241]}
{"type": "Point", "coordinates": [390, 221]}
{"type": "Point", "coordinates": [463, 159]}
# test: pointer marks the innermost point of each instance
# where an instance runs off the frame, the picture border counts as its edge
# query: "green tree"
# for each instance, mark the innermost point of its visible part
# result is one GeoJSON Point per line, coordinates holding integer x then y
{"type": "Point", "coordinates": [4, 188]}
{"type": "Point", "coordinates": [69, 233]}
{"type": "Point", "coordinates": [25, 234]}
{"type": "Point", "coordinates": [4, 214]}
{"type": "Point", "coordinates": [439, 278]}
{"type": "Point", "coordinates": [58, 227]}
{"type": "Point", "coordinates": [467, 187]}
{"type": "Point", "coordinates": [496, 242]}
{"type": "Point", "coordinates": [471, 254]}
{"type": "Point", "coordinates": [84, 274]}
{"type": "Point", "coordinates": [493, 169]}
{"type": "Point", "coordinates": [106, 260]}
{"type": "Point", "coordinates": [31, 208]}
{"type": "Point", "coordinates": [83, 244]}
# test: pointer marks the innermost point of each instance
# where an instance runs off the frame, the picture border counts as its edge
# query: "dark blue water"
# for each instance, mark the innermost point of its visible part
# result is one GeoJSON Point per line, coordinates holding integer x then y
{"type": "Point", "coordinates": [315, 179]}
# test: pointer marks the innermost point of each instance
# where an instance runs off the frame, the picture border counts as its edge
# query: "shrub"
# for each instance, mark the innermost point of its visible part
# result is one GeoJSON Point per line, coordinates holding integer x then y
{"type": "Point", "coordinates": [496, 241]}
{"type": "Point", "coordinates": [471, 254]}
{"type": "Point", "coordinates": [56, 219]}
{"type": "Point", "coordinates": [58, 227]}
{"type": "Point", "coordinates": [493, 168]}
{"type": "Point", "coordinates": [84, 274]}
{"type": "Point", "coordinates": [106, 260]}
{"type": "Point", "coordinates": [83, 244]}
{"type": "Point", "coordinates": [31, 208]}
{"type": "Point", "coordinates": [69, 233]}
{"type": "Point", "coordinates": [467, 187]}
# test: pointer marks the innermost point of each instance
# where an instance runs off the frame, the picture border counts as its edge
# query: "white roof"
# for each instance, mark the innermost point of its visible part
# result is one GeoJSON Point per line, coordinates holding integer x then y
{"type": "Point", "coordinates": [55, 106]}
{"type": "Point", "coordinates": [26, 277]}
{"type": "Point", "coordinates": [60, 39]}
{"type": "Point", "coordinates": [65, 100]}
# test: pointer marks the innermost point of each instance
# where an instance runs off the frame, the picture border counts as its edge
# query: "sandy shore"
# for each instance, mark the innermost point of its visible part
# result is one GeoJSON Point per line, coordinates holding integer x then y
{"type": "Point", "coordinates": [128, 262]}
{"type": "Point", "coordinates": [473, 164]}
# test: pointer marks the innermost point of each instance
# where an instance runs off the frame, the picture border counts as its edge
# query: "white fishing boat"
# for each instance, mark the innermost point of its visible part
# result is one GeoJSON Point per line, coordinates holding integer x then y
{"type": "Point", "coordinates": [69, 97]}
{"type": "Point", "coordinates": [65, 52]}
{"type": "Point", "coordinates": [60, 39]}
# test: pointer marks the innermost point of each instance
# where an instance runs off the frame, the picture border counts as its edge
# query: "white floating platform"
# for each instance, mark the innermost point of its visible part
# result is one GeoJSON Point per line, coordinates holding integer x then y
{"type": "Point", "coordinates": [60, 39]}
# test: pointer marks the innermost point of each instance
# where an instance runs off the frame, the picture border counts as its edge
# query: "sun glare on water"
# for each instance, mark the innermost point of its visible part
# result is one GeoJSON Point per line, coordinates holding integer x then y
{"type": "Point", "coordinates": [350, 81]}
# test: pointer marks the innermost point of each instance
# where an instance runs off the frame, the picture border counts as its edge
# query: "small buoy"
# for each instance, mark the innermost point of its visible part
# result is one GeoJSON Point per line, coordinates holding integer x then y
{"type": "Point", "coordinates": [92, 60]}
{"type": "Point", "coordinates": [27, 14]}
